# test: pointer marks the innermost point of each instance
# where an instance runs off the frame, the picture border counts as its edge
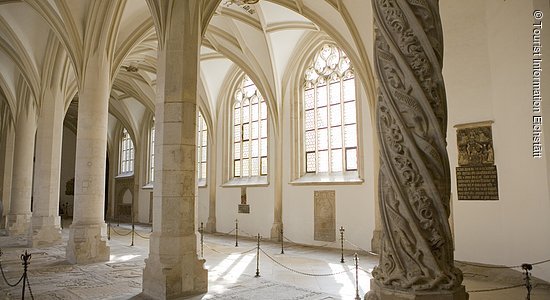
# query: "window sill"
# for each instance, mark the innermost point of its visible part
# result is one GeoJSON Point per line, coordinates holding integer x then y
{"type": "Point", "coordinates": [201, 183]}
{"type": "Point", "coordinates": [247, 181]}
{"type": "Point", "coordinates": [341, 178]}
{"type": "Point", "coordinates": [125, 175]}
{"type": "Point", "coordinates": [148, 186]}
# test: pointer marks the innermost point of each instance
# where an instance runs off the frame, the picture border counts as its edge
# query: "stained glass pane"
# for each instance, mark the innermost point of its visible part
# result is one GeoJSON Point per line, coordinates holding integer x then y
{"type": "Point", "coordinates": [334, 92]}
{"type": "Point", "coordinates": [335, 115]}
{"type": "Point", "coordinates": [264, 165]}
{"type": "Point", "coordinates": [203, 154]}
{"type": "Point", "coordinates": [322, 139]}
{"type": "Point", "coordinates": [246, 131]}
{"type": "Point", "coordinates": [349, 89]}
{"type": "Point", "coordinates": [255, 148]}
{"type": "Point", "coordinates": [255, 167]}
{"type": "Point", "coordinates": [255, 112]}
{"type": "Point", "coordinates": [237, 150]}
{"type": "Point", "coordinates": [351, 159]}
{"type": "Point", "coordinates": [336, 137]}
{"type": "Point", "coordinates": [245, 168]}
{"type": "Point", "coordinates": [249, 90]}
{"type": "Point", "coordinates": [254, 99]}
{"type": "Point", "coordinates": [264, 128]}
{"type": "Point", "coordinates": [336, 160]}
{"type": "Point", "coordinates": [321, 95]}
{"type": "Point", "coordinates": [350, 136]}
{"type": "Point", "coordinates": [310, 119]}
{"type": "Point", "coordinates": [237, 133]}
{"type": "Point", "coordinates": [204, 138]}
{"type": "Point", "coordinates": [237, 168]}
{"type": "Point", "coordinates": [237, 114]}
{"type": "Point", "coordinates": [349, 113]}
{"type": "Point", "coordinates": [246, 149]}
{"type": "Point", "coordinates": [322, 163]}
{"type": "Point", "coordinates": [309, 102]}
{"type": "Point", "coordinates": [310, 140]}
{"type": "Point", "coordinates": [322, 117]}
{"type": "Point", "coordinates": [246, 114]}
{"type": "Point", "coordinates": [310, 162]}
{"type": "Point", "coordinates": [203, 170]}
{"type": "Point", "coordinates": [255, 130]}
{"type": "Point", "coordinates": [263, 146]}
{"type": "Point", "coordinates": [263, 108]}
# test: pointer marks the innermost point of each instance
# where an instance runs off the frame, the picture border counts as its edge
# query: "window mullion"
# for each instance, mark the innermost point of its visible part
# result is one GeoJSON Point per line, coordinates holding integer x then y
{"type": "Point", "coordinates": [342, 113]}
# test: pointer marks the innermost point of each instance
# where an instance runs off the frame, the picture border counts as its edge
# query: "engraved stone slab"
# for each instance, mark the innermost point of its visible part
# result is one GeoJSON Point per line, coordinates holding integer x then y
{"type": "Point", "coordinates": [244, 208]}
{"type": "Point", "coordinates": [477, 183]}
{"type": "Point", "coordinates": [475, 146]}
{"type": "Point", "coordinates": [324, 216]}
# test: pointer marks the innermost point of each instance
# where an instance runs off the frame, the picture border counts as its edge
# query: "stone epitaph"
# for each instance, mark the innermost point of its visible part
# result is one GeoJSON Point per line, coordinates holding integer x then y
{"type": "Point", "coordinates": [324, 212]}
{"type": "Point", "coordinates": [476, 174]}
{"type": "Point", "coordinates": [416, 259]}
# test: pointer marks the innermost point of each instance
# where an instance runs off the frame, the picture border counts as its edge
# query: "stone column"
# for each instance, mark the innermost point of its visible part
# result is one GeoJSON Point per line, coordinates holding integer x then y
{"type": "Point", "coordinates": [416, 260]}
{"type": "Point", "coordinates": [87, 235]}
{"type": "Point", "coordinates": [278, 205]}
{"type": "Point", "coordinates": [173, 269]}
{"type": "Point", "coordinates": [6, 169]}
{"type": "Point", "coordinates": [45, 219]}
{"type": "Point", "coordinates": [19, 217]}
{"type": "Point", "coordinates": [212, 188]}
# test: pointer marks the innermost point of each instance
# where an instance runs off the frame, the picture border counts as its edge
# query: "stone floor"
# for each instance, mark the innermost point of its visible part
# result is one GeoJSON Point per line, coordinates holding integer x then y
{"type": "Point", "coordinates": [231, 272]}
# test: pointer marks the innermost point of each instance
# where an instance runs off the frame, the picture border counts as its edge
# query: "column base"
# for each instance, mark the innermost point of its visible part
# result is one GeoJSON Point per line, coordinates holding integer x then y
{"type": "Point", "coordinates": [19, 224]}
{"type": "Point", "coordinates": [46, 231]}
{"type": "Point", "coordinates": [276, 232]}
{"type": "Point", "coordinates": [210, 226]}
{"type": "Point", "coordinates": [382, 293]}
{"type": "Point", "coordinates": [376, 241]}
{"type": "Point", "coordinates": [87, 244]}
{"type": "Point", "coordinates": [173, 269]}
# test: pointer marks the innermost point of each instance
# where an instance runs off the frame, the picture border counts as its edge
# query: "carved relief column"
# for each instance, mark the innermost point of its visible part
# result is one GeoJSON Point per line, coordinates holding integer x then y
{"type": "Point", "coordinates": [416, 258]}
{"type": "Point", "coordinates": [173, 269]}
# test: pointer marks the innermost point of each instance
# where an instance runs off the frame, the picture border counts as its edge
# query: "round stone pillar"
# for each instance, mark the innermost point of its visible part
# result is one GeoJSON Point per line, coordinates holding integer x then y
{"type": "Point", "coordinates": [87, 235]}
{"type": "Point", "coordinates": [19, 217]}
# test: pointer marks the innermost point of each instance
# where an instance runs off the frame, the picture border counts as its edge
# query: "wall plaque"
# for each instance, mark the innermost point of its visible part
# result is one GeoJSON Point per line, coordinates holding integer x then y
{"type": "Point", "coordinates": [324, 216]}
{"type": "Point", "coordinates": [476, 174]}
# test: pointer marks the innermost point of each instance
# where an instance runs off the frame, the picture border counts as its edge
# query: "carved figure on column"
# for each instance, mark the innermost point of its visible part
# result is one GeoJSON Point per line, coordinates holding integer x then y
{"type": "Point", "coordinates": [417, 246]}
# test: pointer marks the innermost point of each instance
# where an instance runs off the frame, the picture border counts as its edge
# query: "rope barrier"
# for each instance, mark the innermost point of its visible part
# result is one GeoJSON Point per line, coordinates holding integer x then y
{"type": "Point", "coordinates": [500, 267]}
{"type": "Point", "coordinates": [141, 236]}
{"type": "Point", "coordinates": [497, 289]}
{"type": "Point", "coordinates": [120, 234]}
{"type": "Point", "coordinates": [359, 248]}
{"type": "Point", "coordinates": [6, 280]}
{"type": "Point", "coordinates": [24, 278]}
{"type": "Point", "coordinates": [300, 272]}
{"type": "Point", "coordinates": [239, 253]}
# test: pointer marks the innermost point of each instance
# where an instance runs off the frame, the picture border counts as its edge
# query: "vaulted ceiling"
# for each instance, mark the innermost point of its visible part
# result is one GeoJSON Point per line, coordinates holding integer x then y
{"type": "Point", "coordinates": [42, 43]}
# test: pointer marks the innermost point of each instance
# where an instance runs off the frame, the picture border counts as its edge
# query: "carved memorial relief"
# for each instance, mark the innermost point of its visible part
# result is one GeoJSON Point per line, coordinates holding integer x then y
{"type": "Point", "coordinates": [244, 207]}
{"type": "Point", "coordinates": [324, 212]}
{"type": "Point", "coordinates": [417, 247]}
{"type": "Point", "coordinates": [476, 174]}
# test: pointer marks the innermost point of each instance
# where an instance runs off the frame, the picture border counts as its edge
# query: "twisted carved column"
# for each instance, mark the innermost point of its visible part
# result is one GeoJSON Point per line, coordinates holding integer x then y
{"type": "Point", "coordinates": [417, 247]}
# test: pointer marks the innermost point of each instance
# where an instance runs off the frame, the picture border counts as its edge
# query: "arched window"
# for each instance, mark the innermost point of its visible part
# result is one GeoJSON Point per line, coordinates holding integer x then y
{"type": "Point", "coordinates": [151, 169]}
{"type": "Point", "coordinates": [249, 131]}
{"type": "Point", "coordinates": [126, 153]}
{"type": "Point", "coordinates": [330, 125]}
{"type": "Point", "coordinates": [202, 143]}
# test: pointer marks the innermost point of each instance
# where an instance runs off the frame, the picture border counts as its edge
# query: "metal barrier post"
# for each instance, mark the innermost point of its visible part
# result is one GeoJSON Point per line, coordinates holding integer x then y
{"type": "Point", "coordinates": [282, 241]}
{"type": "Point", "coordinates": [201, 230]}
{"type": "Point", "coordinates": [342, 242]}
{"type": "Point", "coordinates": [25, 258]}
{"type": "Point", "coordinates": [236, 232]}
{"type": "Point", "coordinates": [356, 277]}
{"type": "Point", "coordinates": [133, 231]}
{"type": "Point", "coordinates": [258, 258]}
{"type": "Point", "coordinates": [527, 268]}
{"type": "Point", "coordinates": [109, 230]}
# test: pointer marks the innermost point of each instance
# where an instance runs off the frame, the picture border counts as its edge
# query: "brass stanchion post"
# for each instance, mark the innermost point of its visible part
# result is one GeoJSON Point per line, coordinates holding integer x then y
{"type": "Point", "coordinates": [25, 258]}
{"type": "Point", "coordinates": [236, 232]}
{"type": "Point", "coordinates": [342, 242]}
{"type": "Point", "coordinates": [109, 230]}
{"type": "Point", "coordinates": [258, 258]}
{"type": "Point", "coordinates": [133, 231]}
{"type": "Point", "coordinates": [527, 268]}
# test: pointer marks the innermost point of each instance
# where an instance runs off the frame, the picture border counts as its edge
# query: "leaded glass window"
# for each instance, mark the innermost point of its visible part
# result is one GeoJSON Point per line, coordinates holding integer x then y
{"type": "Point", "coordinates": [249, 131]}
{"type": "Point", "coordinates": [330, 120]}
{"type": "Point", "coordinates": [202, 143]}
{"type": "Point", "coordinates": [126, 153]}
{"type": "Point", "coordinates": [152, 153]}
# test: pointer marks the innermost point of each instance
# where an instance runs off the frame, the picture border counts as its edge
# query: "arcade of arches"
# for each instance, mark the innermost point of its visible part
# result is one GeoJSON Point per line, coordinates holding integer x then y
{"type": "Point", "coordinates": [415, 125]}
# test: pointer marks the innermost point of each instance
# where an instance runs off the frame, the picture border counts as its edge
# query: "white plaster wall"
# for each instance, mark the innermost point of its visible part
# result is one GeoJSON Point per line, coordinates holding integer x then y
{"type": "Point", "coordinates": [204, 196]}
{"type": "Point", "coordinates": [67, 166]}
{"type": "Point", "coordinates": [487, 68]}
